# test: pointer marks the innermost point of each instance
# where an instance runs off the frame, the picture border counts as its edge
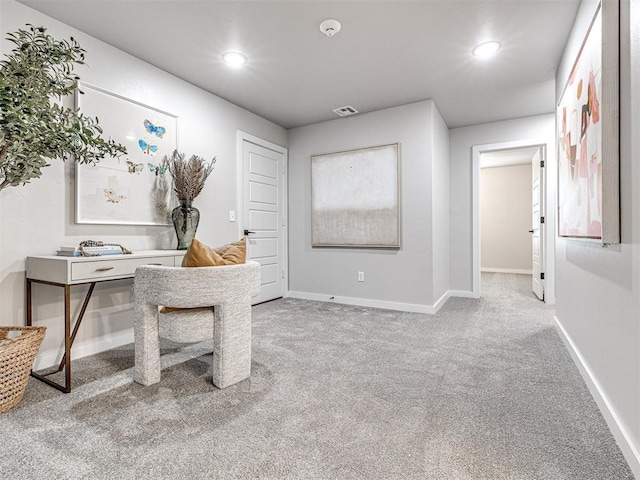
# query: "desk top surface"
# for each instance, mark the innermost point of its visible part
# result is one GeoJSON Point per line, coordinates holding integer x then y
{"type": "Point", "coordinates": [138, 254]}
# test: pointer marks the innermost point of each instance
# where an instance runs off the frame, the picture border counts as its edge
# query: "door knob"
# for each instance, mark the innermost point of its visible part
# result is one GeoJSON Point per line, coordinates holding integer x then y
{"type": "Point", "coordinates": [530, 231]}
{"type": "Point", "coordinates": [247, 232]}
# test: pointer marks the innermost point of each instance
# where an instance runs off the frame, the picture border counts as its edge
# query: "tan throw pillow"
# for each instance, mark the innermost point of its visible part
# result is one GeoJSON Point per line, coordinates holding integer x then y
{"type": "Point", "coordinates": [199, 255]}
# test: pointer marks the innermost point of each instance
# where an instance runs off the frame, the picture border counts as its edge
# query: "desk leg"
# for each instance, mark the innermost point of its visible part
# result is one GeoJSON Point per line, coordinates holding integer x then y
{"type": "Point", "coordinates": [67, 354]}
{"type": "Point", "coordinates": [67, 387]}
{"type": "Point", "coordinates": [29, 311]}
{"type": "Point", "coordinates": [67, 338]}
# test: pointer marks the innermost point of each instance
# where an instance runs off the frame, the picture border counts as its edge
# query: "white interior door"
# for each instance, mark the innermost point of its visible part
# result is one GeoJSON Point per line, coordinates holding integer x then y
{"type": "Point", "coordinates": [537, 251]}
{"type": "Point", "coordinates": [263, 213]}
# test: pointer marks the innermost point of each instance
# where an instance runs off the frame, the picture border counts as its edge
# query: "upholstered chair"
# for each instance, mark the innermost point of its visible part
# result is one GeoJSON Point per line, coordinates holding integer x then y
{"type": "Point", "coordinates": [193, 291]}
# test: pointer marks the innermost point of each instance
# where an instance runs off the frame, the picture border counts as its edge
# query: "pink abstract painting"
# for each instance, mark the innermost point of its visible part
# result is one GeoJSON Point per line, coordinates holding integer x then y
{"type": "Point", "coordinates": [580, 143]}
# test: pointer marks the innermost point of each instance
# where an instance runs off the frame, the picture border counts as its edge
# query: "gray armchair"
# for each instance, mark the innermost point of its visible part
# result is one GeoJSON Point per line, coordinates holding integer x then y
{"type": "Point", "coordinates": [228, 289]}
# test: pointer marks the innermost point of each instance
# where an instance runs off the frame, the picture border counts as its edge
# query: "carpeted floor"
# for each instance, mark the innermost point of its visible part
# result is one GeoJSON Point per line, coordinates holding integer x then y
{"type": "Point", "coordinates": [482, 390]}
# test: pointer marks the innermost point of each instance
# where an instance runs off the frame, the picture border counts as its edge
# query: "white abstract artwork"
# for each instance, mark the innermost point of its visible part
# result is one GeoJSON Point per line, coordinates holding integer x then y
{"type": "Point", "coordinates": [354, 198]}
{"type": "Point", "coordinates": [134, 189]}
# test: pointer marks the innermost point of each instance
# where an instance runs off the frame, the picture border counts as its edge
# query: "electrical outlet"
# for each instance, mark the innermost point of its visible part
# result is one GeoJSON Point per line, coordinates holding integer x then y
{"type": "Point", "coordinates": [361, 276]}
{"type": "Point", "coordinates": [232, 216]}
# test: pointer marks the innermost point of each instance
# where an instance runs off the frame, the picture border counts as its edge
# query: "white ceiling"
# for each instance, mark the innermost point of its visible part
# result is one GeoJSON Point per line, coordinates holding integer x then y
{"type": "Point", "coordinates": [388, 53]}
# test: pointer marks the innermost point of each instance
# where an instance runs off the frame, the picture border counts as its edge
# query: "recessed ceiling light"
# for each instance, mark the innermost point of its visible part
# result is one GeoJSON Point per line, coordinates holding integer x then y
{"type": "Point", "coordinates": [486, 49]}
{"type": "Point", "coordinates": [234, 59]}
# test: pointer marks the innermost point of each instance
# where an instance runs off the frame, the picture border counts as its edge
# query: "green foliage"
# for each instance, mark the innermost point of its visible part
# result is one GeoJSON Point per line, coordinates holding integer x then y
{"type": "Point", "coordinates": [34, 126]}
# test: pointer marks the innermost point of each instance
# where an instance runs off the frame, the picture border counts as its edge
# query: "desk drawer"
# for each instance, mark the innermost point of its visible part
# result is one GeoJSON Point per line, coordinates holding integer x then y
{"type": "Point", "coordinates": [120, 267]}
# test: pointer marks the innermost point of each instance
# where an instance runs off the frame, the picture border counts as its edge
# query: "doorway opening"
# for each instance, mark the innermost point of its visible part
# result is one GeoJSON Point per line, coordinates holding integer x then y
{"type": "Point", "coordinates": [516, 238]}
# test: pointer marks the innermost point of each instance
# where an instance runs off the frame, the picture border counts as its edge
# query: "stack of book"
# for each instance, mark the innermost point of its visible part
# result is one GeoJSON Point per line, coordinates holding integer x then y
{"type": "Point", "coordinates": [99, 250]}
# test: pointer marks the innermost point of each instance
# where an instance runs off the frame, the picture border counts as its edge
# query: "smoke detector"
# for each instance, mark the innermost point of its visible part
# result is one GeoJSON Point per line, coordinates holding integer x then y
{"type": "Point", "coordinates": [345, 111]}
{"type": "Point", "coordinates": [330, 27]}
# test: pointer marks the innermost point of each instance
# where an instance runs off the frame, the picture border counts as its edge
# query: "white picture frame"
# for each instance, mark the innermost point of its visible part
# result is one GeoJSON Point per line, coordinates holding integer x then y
{"type": "Point", "coordinates": [355, 200]}
{"type": "Point", "coordinates": [133, 189]}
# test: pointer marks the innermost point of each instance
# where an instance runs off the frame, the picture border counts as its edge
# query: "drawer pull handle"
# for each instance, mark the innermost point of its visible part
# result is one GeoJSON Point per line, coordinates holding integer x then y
{"type": "Point", "coordinates": [104, 269]}
{"type": "Point", "coordinates": [156, 264]}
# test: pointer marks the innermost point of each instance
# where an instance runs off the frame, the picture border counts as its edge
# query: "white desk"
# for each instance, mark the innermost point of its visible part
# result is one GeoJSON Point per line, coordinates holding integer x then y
{"type": "Point", "coordinates": [67, 271]}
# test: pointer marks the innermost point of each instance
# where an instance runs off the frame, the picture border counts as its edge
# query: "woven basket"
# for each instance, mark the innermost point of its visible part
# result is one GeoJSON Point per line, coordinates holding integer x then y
{"type": "Point", "coordinates": [16, 359]}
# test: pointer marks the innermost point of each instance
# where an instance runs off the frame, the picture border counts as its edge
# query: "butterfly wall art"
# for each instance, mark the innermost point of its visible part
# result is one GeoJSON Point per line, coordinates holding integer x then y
{"type": "Point", "coordinates": [134, 167]}
{"type": "Point", "coordinates": [113, 196]}
{"type": "Point", "coordinates": [153, 129]}
{"type": "Point", "coordinates": [157, 169]}
{"type": "Point", "coordinates": [147, 148]}
{"type": "Point", "coordinates": [133, 190]}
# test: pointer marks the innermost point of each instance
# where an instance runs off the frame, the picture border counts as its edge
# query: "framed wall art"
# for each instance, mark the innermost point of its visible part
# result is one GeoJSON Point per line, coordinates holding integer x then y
{"type": "Point", "coordinates": [133, 189]}
{"type": "Point", "coordinates": [588, 139]}
{"type": "Point", "coordinates": [354, 198]}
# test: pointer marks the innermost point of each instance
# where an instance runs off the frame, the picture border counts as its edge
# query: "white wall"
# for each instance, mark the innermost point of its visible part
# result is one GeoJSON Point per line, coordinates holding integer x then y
{"type": "Point", "coordinates": [38, 218]}
{"type": "Point", "coordinates": [505, 218]}
{"type": "Point", "coordinates": [440, 212]}
{"type": "Point", "coordinates": [598, 290]}
{"type": "Point", "coordinates": [394, 278]}
{"type": "Point", "coordinates": [538, 128]}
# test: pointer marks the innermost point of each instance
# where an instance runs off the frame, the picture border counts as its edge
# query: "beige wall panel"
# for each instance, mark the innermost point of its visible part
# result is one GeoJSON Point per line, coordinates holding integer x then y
{"type": "Point", "coordinates": [505, 218]}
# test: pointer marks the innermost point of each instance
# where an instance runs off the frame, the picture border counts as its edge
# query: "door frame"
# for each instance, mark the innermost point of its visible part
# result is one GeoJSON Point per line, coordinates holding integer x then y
{"type": "Point", "coordinates": [284, 248]}
{"type": "Point", "coordinates": [548, 233]}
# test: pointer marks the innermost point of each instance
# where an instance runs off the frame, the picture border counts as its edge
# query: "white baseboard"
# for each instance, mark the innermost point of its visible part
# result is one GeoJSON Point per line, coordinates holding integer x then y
{"type": "Point", "coordinates": [441, 301]}
{"type": "Point", "coordinates": [507, 270]}
{"type": "Point", "coordinates": [463, 294]}
{"type": "Point", "coordinates": [618, 430]}
{"type": "Point", "coordinates": [51, 358]}
{"type": "Point", "coordinates": [366, 302]}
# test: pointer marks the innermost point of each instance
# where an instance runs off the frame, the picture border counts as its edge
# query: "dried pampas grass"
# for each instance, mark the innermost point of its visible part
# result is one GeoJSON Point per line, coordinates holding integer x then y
{"type": "Point", "coordinates": [188, 175]}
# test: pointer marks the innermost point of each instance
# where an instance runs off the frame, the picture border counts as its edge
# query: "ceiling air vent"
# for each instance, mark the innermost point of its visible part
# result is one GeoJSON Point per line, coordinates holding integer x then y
{"type": "Point", "coordinates": [344, 111]}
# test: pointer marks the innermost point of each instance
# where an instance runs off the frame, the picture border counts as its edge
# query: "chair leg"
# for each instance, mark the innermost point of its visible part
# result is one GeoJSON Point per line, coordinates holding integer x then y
{"type": "Point", "coordinates": [147, 344]}
{"type": "Point", "coordinates": [231, 343]}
